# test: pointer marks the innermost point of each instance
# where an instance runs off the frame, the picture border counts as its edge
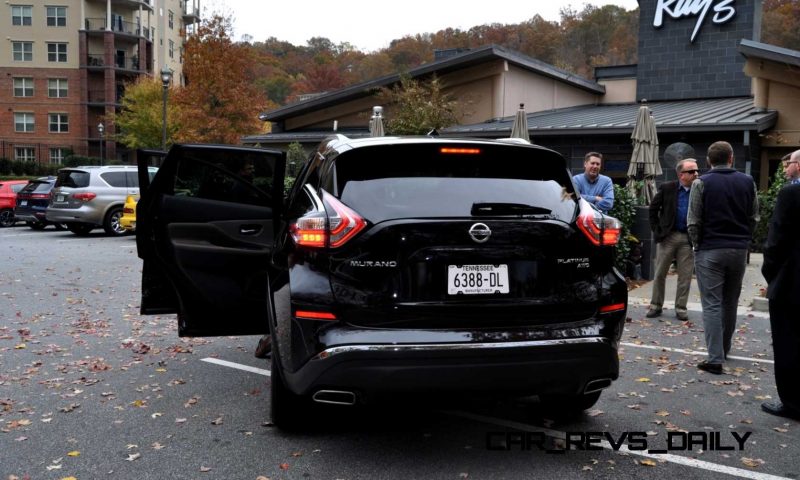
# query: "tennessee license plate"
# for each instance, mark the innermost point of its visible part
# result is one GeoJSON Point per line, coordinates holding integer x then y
{"type": "Point", "coordinates": [22, 203]}
{"type": "Point", "coordinates": [477, 279]}
{"type": "Point", "coordinates": [60, 198]}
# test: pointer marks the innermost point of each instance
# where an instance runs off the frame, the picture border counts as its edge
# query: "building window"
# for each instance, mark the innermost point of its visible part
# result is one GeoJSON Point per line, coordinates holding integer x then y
{"type": "Point", "coordinates": [171, 20]}
{"type": "Point", "coordinates": [57, 155]}
{"type": "Point", "coordinates": [22, 15]}
{"type": "Point", "coordinates": [57, 52]}
{"type": "Point", "coordinates": [171, 49]}
{"type": "Point", "coordinates": [59, 123]}
{"type": "Point", "coordinates": [23, 122]}
{"type": "Point", "coordinates": [56, 87]}
{"type": "Point", "coordinates": [56, 16]}
{"type": "Point", "coordinates": [23, 87]}
{"type": "Point", "coordinates": [22, 51]}
{"type": "Point", "coordinates": [24, 154]}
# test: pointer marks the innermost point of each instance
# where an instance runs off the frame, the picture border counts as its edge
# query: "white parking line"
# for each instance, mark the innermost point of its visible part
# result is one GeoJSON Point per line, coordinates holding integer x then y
{"type": "Point", "coordinates": [677, 459]}
{"type": "Point", "coordinates": [693, 352]}
{"type": "Point", "coordinates": [19, 235]}
{"type": "Point", "coordinates": [238, 366]}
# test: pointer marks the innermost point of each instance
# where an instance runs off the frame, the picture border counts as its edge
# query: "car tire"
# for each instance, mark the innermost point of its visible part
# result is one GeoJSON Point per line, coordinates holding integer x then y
{"type": "Point", "coordinates": [566, 406]}
{"type": "Point", "coordinates": [36, 225]}
{"type": "Point", "coordinates": [288, 411]}
{"type": "Point", "coordinates": [80, 229]}
{"type": "Point", "coordinates": [6, 218]}
{"type": "Point", "coordinates": [111, 223]}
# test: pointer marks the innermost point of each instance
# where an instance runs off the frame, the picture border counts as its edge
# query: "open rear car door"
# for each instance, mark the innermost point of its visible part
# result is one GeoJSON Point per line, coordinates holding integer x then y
{"type": "Point", "coordinates": [205, 231]}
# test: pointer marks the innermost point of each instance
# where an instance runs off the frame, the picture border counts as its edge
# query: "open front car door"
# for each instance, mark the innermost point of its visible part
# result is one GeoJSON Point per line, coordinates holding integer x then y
{"type": "Point", "coordinates": [205, 231]}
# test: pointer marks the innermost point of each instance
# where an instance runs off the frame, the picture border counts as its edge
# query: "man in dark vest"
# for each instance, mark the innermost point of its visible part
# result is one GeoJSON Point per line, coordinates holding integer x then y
{"type": "Point", "coordinates": [781, 268]}
{"type": "Point", "coordinates": [723, 211]}
{"type": "Point", "coordinates": [668, 212]}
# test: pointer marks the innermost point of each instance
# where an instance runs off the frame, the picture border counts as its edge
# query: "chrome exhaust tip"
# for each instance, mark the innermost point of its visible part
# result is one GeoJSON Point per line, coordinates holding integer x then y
{"type": "Point", "coordinates": [334, 397]}
{"type": "Point", "coordinates": [597, 385]}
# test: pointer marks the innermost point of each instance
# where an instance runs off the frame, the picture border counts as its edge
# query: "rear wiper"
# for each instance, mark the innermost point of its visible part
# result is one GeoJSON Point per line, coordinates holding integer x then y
{"type": "Point", "coordinates": [485, 209]}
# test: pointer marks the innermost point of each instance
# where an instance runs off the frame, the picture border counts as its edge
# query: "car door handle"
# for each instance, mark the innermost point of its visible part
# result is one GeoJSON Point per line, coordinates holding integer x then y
{"type": "Point", "coordinates": [250, 229]}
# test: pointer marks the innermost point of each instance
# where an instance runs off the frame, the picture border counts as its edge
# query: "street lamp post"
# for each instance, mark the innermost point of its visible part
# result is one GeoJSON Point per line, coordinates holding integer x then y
{"type": "Point", "coordinates": [166, 77]}
{"type": "Point", "coordinates": [101, 129]}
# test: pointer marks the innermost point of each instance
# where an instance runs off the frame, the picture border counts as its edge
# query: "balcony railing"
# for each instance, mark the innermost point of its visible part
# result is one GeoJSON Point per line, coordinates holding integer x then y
{"type": "Point", "coordinates": [98, 60]}
{"type": "Point", "coordinates": [99, 96]}
{"type": "Point", "coordinates": [119, 26]}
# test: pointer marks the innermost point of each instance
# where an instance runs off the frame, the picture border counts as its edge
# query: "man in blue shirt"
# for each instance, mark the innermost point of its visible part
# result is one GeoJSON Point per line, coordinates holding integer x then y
{"type": "Point", "coordinates": [594, 187]}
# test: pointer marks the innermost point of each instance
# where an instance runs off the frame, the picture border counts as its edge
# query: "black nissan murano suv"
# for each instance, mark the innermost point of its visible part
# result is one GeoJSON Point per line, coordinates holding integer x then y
{"type": "Point", "coordinates": [393, 265]}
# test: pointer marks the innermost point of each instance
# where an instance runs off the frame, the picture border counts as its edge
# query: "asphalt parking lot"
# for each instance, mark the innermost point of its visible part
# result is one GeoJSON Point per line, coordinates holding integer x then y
{"type": "Point", "coordinates": [90, 389]}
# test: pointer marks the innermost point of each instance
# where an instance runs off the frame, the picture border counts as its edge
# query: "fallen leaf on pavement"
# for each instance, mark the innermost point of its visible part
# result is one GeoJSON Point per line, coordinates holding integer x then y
{"type": "Point", "coordinates": [133, 456]}
{"type": "Point", "coordinates": [752, 462]}
{"type": "Point", "coordinates": [74, 453]}
{"type": "Point", "coordinates": [648, 463]}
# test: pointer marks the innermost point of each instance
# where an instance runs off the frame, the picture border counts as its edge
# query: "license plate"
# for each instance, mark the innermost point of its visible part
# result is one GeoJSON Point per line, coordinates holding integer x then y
{"type": "Point", "coordinates": [477, 279]}
{"type": "Point", "coordinates": [22, 203]}
{"type": "Point", "coordinates": [60, 198]}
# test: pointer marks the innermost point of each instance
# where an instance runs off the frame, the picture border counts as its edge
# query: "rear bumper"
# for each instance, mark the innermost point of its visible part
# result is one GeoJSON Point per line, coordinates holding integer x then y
{"type": "Point", "coordinates": [84, 214]}
{"type": "Point", "coordinates": [563, 366]}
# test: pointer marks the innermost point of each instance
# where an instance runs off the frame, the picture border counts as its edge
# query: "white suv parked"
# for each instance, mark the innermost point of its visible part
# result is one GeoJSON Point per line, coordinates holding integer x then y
{"type": "Point", "coordinates": [85, 198]}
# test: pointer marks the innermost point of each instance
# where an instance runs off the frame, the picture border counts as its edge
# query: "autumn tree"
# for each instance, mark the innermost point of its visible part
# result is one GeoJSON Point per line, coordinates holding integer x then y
{"type": "Point", "coordinates": [139, 121]}
{"type": "Point", "coordinates": [417, 107]}
{"type": "Point", "coordinates": [219, 103]}
{"type": "Point", "coordinates": [781, 23]}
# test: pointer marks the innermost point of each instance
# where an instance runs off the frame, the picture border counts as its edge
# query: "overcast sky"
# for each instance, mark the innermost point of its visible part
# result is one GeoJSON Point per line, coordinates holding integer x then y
{"type": "Point", "coordinates": [371, 25]}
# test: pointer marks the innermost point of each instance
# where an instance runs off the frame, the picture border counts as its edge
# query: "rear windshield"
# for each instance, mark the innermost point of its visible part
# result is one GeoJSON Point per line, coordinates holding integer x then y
{"type": "Point", "coordinates": [35, 186]}
{"type": "Point", "coordinates": [421, 181]}
{"type": "Point", "coordinates": [72, 179]}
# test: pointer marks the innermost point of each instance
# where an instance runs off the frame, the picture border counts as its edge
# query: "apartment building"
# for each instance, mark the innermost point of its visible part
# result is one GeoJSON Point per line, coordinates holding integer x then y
{"type": "Point", "coordinates": [64, 65]}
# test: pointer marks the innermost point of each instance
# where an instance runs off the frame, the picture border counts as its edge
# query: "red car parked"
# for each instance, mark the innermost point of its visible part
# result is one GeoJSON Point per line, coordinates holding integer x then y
{"type": "Point", "coordinates": [8, 200]}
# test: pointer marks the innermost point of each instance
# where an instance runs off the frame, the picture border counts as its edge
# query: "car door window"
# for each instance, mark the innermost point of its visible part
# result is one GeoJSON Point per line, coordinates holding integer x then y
{"type": "Point", "coordinates": [115, 179]}
{"type": "Point", "coordinates": [247, 180]}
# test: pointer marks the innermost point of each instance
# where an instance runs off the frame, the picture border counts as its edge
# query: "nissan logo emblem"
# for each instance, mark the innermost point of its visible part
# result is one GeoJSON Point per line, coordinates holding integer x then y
{"type": "Point", "coordinates": [480, 232]}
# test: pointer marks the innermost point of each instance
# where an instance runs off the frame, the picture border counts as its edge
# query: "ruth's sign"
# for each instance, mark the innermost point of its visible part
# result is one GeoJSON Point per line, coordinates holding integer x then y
{"type": "Point", "coordinates": [677, 9]}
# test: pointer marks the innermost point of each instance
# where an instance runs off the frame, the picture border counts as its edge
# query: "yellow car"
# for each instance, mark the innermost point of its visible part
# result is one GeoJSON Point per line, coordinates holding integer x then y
{"type": "Point", "coordinates": [128, 218]}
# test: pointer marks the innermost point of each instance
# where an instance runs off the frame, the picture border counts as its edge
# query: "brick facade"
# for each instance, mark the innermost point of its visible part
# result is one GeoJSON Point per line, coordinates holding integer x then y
{"type": "Point", "coordinates": [41, 106]}
{"type": "Point", "coordinates": [671, 67]}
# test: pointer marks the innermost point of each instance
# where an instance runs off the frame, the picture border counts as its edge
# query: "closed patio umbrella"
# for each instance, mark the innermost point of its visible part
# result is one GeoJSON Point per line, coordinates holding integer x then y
{"type": "Point", "coordinates": [644, 166]}
{"type": "Point", "coordinates": [520, 127]}
{"type": "Point", "coordinates": [376, 122]}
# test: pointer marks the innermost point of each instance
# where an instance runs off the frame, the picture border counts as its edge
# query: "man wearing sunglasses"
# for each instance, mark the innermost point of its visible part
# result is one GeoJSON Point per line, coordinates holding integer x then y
{"type": "Point", "coordinates": [668, 212]}
{"type": "Point", "coordinates": [723, 211]}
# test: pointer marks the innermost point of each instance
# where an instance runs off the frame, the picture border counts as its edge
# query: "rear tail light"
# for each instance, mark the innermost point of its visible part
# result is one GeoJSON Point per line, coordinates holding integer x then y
{"type": "Point", "coordinates": [84, 197]}
{"type": "Point", "coordinates": [612, 308]}
{"type": "Point", "coordinates": [40, 196]}
{"type": "Point", "coordinates": [312, 315]}
{"type": "Point", "coordinates": [600, 229]}
{"type": "Point", "coordinates": [332, 227]}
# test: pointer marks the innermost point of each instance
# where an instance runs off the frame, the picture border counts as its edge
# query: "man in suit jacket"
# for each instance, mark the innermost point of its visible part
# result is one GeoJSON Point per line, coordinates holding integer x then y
{"type": "Point", "coordinates": [781, 268]}
{"type": "Point", "coordinates": [668, 212]}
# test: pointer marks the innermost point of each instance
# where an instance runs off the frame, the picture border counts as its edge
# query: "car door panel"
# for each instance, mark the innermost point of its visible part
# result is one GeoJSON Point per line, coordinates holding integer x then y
{"type": "Point", "coordinates": [211, 247]}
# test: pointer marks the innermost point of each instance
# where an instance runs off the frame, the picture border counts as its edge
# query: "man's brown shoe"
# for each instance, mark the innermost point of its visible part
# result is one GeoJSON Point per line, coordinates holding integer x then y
{"type": "Point", "coordinates": [264, 347]}
{"type": "Point", "coordinates": [653, 313]}
{"type": "Point", "coordinates": [715, 368]}
{"type": "Point", "coordinates": [682, 316]}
